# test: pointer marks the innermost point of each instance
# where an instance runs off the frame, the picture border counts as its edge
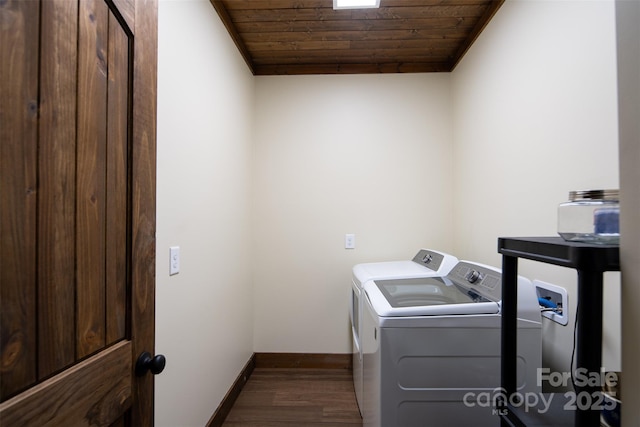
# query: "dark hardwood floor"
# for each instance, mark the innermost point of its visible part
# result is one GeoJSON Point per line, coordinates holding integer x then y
{"type": "Point", "coordinates": [296, 397]}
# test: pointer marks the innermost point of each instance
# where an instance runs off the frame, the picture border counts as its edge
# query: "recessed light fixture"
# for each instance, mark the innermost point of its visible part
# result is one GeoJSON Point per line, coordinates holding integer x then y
{"type": "Point", "coordinates": [355, 4]}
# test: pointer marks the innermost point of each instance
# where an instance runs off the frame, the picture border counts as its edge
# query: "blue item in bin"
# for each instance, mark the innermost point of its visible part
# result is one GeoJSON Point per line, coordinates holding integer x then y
{"type": "Point", "coordinates": [607, 221]}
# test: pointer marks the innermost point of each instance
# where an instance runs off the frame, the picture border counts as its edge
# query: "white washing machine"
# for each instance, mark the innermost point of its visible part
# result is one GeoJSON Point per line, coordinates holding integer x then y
{"type": "Point", "coordinates": [431, 348]}
{"type": "Point", "coordinates": [425, 263]}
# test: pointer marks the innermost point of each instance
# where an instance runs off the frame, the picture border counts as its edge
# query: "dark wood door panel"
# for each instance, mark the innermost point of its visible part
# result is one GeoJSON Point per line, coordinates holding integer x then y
{"type": "Point", "coordinates": [69, 398]}
{"type": "Point", "coordinates": [78, 210]}
{"type": "Point", "coordinates": [91, 180]}
{"type": "Point", "coordinates": [77, 224]}
{"type": "Point", "coordinates": [118, 181]}
{"type": "Point", "coordinates": [56, 187]}
{"type": "Point", "coordinates": [19, 34]}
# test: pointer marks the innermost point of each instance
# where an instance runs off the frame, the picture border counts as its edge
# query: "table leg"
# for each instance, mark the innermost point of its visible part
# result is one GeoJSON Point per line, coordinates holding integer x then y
{"type": "Point", "coordinates": [589, 348]}
{"type": "Point", "coordinates": [509, 311]}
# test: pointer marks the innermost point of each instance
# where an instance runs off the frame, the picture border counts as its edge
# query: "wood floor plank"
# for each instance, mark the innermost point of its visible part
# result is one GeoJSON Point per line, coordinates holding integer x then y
{"type": "Point", "coordinates": [296, 397]}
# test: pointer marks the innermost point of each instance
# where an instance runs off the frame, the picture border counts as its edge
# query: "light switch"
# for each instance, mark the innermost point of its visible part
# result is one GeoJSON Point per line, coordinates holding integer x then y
{"type": "Point", "coordinates": [174, 260]}
{"type": "Point", "coordinates": [349, 241]}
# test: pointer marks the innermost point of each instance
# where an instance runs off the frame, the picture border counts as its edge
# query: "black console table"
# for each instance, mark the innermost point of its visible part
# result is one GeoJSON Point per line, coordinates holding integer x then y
{"type": "Point", "coordinates": [590, 261]}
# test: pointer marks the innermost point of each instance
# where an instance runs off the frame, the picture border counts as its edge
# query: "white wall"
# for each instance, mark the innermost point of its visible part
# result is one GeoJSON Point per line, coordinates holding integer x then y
{"type": "Point", "coordinates": [535, 116]}
{"type": "Point", "coordinates": [203, 315]}
{"type": "Point", "coordinates": [369, 155]}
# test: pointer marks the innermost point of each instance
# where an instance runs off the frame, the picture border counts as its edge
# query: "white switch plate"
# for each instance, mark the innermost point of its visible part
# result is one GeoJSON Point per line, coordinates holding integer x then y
{"type": "Point", "coordinates": [174, 260]}
{"type": "Point", "coordinates": [349, 241]}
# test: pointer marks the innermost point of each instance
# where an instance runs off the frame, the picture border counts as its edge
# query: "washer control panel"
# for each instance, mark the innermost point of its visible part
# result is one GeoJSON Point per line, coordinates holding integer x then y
{"type": "Point", "coordinates": [485, 281]}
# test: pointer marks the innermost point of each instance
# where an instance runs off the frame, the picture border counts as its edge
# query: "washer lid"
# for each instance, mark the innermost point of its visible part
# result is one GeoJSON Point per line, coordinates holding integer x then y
{"type": "Point", "coordinates": [427, 296]}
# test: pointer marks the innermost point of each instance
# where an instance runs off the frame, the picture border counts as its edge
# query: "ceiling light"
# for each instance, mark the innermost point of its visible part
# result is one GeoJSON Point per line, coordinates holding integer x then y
{"type": "Point", "coordinates": [355, 4]}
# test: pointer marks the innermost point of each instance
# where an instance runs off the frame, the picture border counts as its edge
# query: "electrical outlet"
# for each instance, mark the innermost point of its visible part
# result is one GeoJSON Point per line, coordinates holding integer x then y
{"type": "Point", "coordinates": [555, 301]}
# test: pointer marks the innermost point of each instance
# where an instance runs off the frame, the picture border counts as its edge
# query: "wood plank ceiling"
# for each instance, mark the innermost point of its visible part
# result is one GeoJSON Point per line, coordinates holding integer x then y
{"type": "Point", "coordinates": [310, 37]}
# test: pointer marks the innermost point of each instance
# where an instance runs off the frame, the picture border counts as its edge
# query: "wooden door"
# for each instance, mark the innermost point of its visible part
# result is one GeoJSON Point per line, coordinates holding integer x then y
{"type": "Point", "coordinates": [77, 224]}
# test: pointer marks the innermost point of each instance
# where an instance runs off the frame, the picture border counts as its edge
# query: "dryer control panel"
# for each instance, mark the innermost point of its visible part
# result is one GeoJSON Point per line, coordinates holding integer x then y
{"type": "Point", "coordinates": [430, 259]}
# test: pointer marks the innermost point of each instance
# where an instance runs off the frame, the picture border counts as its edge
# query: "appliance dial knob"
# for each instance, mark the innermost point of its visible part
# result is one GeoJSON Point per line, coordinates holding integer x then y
{"type": "Point", "coordinates": [473, 276]}
{"type": "Point", "coordinates": [427, 258]}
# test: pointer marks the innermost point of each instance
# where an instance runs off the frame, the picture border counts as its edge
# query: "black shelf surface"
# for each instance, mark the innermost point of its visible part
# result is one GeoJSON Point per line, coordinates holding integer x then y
{"type": "Point", "coordinates": [557, 251]}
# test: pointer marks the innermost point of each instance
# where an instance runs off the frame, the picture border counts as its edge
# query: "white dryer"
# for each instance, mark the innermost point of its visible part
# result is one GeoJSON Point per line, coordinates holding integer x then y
{"type": "Point", "coordinates": [425, 263]}
{"type": "Point", "coordinates": [431, 348]}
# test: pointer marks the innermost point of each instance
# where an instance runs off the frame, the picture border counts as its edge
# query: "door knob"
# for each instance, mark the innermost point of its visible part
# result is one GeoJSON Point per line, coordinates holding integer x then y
{"type": "Point", "coordinates": [147, 363]}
